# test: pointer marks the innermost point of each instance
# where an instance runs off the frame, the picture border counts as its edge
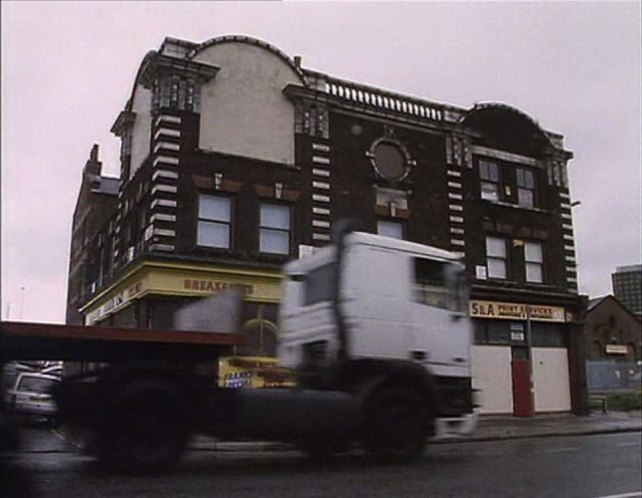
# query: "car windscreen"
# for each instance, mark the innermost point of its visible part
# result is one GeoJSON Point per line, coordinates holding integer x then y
{"type": "Point", "coordinates": [35, 384]}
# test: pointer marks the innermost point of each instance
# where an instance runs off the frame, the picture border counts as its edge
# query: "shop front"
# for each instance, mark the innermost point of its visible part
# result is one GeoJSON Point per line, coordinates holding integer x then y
{"type": "Point", "coordinates": [150, 294]}
{"type": "Point", "coordinates": [521, 357]}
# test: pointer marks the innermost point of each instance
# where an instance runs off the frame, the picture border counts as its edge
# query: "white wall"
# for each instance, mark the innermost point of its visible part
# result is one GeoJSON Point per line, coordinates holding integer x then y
{"type": "Point", "coordinates": [243, 109]}
{"type": "Point", "coordinates": [551, 380]}
{"type": "Point", "coordinates": [492, 374]}
{"type": "Point", "coordinates": [142, 106]}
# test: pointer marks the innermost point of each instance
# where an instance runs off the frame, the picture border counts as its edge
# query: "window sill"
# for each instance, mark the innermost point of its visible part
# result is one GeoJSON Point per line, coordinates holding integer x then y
{"type": "Point", "coordinates": [516, 206]}
{"type": "Point", "coordinates": [497, 281]}
{"type": "Point", "coordinates": [213, 249]}
{"type": "Point", "coordinates": [271, 256]}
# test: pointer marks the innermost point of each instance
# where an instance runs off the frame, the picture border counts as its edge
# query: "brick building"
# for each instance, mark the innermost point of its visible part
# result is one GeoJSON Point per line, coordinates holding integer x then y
{"type": "Point", "coordinates": [612, 331]}
{"type": "Point", "coordinates": [91, 247]}
{"type": "Point", "coordinates": [235, 158]}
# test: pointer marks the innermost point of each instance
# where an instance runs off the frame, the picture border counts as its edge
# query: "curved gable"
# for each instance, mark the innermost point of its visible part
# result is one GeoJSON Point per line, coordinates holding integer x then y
{"type": "Point", "coordinates": [244, 111]}
{"type": "Point", "coordinates": [507, 128]}
{"type": "Point", "coordinates": [219, 40]}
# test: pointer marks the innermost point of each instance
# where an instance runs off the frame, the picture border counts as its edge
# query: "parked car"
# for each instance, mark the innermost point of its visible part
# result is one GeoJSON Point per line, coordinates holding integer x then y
{"type": "Point", "coordinates": [10, 374]}
{"type": "Point", "coordinates": [31, 395]}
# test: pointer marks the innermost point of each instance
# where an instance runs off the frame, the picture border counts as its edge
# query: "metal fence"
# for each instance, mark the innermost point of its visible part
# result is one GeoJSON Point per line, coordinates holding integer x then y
{"type": "Point", "coordinates": [611, 376]}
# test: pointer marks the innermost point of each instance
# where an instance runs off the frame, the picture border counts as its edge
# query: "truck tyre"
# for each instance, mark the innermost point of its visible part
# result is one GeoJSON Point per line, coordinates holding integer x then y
{"type": "Point", "coordinates": [397, 425]}
{"type": "Point", "coordinates": [144, 430]}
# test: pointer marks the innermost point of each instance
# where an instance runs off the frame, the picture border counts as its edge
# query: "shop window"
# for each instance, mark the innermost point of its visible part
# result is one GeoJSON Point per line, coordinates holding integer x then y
{"type": "Point", "coordinates": [498, 332]}
{"type": "Point", "coordinates": [496, 258]}
{"type": "Point", "coordinates": [274, 229]}
{"type": "Point", "coordinates": [260, 331]}
{"type": "Point", "coordinates": [393, 229]}
{"type": "Point", "coordinates": [548, 334]}
{"type": "Point", "coordinates": [214, 221]}
{"type": "Point", "coordinates": [525, 187]}
{"type": "Point", "coordinates": [430, 284]}
{"type": "Point", "coordinates": [480, 332]}
{"type": "Point", "coordinates": [534, 261]}
{"type": "Point", "coordinates": [489, 180]}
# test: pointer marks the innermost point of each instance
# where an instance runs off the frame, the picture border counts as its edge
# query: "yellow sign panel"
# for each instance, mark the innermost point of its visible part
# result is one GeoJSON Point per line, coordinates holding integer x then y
{"type": "Point", "coordinates": [515, 311]}
{"type": "Point", "coordinates": [183, 280]}
{"type": "Point", "coordinates": [255, 287]}
{"type": "Point", "coordinates": [115, 302]}
{"type": "Point", "coordinates": [253, 372]}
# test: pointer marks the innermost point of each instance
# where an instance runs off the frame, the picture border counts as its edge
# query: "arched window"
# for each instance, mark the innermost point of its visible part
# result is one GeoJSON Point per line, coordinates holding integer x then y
{"type": "Point", "coordinates": [260, 337]}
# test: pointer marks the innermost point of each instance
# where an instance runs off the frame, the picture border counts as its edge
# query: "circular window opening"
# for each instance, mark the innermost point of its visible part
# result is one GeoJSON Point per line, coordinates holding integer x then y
{"type": "Point", "coordinates": [389, 161]}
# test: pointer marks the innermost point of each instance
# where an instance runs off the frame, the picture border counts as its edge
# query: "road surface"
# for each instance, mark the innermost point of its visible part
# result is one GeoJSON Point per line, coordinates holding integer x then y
{"type": "Point", "coordinates": [596, 466]}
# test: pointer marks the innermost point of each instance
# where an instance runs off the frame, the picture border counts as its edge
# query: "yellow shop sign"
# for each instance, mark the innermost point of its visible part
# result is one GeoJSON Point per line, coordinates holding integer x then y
{"type": "Point", "coordinates": [515, 311]}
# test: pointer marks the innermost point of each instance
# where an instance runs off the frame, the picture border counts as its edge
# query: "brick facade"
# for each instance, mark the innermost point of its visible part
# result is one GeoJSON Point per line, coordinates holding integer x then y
{"type": "Point", "coordinates": [359, 151]}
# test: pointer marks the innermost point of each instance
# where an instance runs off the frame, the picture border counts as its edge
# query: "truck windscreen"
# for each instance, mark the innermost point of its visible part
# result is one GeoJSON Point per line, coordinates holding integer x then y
{"type": "Point", "coordinates": [319, 284]}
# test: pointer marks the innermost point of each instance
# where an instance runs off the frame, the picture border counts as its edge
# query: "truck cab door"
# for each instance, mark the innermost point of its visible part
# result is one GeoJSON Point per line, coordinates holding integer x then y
{"type": "Point", "coordinates": [441, 330]}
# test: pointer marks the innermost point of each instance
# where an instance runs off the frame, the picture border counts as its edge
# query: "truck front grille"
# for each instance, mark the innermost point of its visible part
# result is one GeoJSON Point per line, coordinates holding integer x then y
{"type": "Point", "coordinates": [314, 353]}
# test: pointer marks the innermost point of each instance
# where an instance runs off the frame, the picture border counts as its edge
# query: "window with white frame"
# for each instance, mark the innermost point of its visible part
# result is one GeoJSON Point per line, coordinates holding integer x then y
{"type": "Point", "coordinates": [274, 236]}
{"type": "Point", "coordinates": [393, 229]}
{"type": "Point", "coordinates": [525, 187]}
{"type": "Point", "coordinates": [534, 260]}
{"type": "Point", "coordinates": [214, 221]}
{"type": "Point", "coordinates": [496, 258]}
{"type": "Point", "coordinates": [489, 180]}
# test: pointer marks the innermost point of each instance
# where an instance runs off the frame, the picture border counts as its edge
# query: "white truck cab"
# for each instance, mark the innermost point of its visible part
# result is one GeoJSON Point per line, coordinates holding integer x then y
{"type": "Point", "coordinates": [399, 302]}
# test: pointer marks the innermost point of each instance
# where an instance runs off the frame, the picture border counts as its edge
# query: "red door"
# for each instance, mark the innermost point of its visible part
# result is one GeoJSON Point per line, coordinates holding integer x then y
{"type": "Point", "coordinates": [523, 405]}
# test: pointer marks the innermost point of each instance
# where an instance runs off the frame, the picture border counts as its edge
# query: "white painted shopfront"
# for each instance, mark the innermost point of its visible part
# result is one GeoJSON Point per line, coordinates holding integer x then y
{"type": "Point", "coordinates": [501, 341]}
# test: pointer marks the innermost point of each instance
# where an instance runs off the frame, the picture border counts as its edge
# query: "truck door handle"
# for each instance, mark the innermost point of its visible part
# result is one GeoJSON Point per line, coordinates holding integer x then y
{"type": "Point", "coordinates": [459, 359]}
{"type": "Point", "coordinates": [419, 355]}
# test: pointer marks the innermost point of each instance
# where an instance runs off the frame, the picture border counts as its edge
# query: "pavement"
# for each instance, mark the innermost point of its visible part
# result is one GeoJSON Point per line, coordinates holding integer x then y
{"type": "Point", "coordinates": [489, 428]}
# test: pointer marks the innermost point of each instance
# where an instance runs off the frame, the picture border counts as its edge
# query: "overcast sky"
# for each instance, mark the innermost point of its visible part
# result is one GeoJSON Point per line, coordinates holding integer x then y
{"type": "Point", "coordinates": [68, 69]}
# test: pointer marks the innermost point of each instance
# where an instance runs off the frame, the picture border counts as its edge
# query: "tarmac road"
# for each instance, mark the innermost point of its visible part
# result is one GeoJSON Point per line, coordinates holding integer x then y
{"type": "Point", "coordinates": [588, 466]}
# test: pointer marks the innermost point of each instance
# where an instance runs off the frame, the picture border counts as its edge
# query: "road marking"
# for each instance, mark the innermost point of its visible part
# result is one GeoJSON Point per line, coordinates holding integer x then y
{"type": "Point", "coordinates": [559, 450]}
{"type": "Point", "coordinates": [625, 495]}
{"type": "Point", "coordinates": [627, 444]}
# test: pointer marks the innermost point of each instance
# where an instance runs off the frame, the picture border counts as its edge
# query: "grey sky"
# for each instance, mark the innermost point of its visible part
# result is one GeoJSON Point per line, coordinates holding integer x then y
{"type": "Point", "coordinates": [68, 69]}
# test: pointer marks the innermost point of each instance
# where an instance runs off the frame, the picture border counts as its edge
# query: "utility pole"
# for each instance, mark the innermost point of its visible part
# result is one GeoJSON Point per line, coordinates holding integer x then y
{"type": "Point", "coordinates": [22, 302]}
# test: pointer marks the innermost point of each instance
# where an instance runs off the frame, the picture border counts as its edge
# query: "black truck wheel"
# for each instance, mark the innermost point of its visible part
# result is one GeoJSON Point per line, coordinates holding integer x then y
{"type": "Point", "coordinates": [144, 430]}
{"type": "Point", "coordinates": [397, 425]}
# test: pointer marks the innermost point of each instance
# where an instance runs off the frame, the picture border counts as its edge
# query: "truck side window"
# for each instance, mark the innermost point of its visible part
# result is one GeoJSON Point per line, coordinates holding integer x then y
{"type": "Point", "coordinates": [319, 284]}
{"type": "Point", "coordinates": [461, 292]}
{"type": "Point", "coordinates": [430, 284]}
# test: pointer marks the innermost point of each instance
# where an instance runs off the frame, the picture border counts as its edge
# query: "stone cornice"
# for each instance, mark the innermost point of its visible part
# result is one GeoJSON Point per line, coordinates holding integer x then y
{"type": "Point", "coordinates": [162, 65]}
{"type": "Point", "coordinates": [124, 120]}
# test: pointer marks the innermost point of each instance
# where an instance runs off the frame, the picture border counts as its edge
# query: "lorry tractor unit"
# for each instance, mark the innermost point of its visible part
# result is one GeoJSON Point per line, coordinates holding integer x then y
{"type": "Point", "coordinates": [376, 329]}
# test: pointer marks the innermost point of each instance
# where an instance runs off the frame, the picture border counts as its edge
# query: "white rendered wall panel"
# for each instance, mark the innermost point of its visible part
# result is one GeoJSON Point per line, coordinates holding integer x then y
{"type": "Point", "coordinates": [492, 374]}
{"type": "Point", "coordinates": [551, 380]}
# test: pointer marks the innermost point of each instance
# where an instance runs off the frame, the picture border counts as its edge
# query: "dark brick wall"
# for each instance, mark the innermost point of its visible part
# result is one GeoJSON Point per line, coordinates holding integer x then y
{"type": "Point", "coordinates": [609, 322]}
{"type": "Point", "coordinates": [354, 179]}
{"type": "Point", "coordinates": [92, 213]}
